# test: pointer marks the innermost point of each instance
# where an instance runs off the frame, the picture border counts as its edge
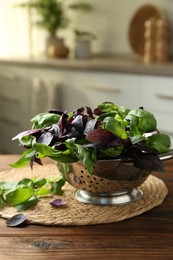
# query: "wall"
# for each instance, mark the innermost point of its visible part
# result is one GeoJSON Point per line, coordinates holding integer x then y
{"type": "Point", "coordinates": [109, 21]}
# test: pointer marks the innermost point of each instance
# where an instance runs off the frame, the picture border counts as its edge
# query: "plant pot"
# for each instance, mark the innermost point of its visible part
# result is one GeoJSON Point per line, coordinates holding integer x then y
{"type": "Point", "coordinates": [55, 48]}
{"type": "Point", "coordinates": [82, 49]}
{"type": "Point", "coordinates": [112, 182]}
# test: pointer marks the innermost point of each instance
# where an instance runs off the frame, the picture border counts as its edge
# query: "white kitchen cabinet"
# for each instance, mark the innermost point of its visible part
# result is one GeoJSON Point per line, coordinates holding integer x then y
{"type": "Point", "coordinates": [74, 89]}
{"type": "Point", "coordinates": [157, 97]}
{"type": "Point", "coordinates": [91, 88]}
{"type": "Point", "coordinates": [14, 105]}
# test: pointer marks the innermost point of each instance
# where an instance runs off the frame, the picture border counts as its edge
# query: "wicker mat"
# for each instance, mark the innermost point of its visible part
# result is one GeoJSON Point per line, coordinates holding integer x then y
{"type": "Point", "coordinates": [77, 213]}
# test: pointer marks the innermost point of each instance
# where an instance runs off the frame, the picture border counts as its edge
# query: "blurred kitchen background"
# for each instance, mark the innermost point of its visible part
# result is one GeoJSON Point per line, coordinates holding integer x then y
{"type": "Point", "coordinates": [105, 53]}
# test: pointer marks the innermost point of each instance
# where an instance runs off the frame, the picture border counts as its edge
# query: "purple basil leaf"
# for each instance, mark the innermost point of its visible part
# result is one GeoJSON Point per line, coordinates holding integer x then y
{"type": "Point", "coordinates": [25, 133]}
{"type": "Point", "coordinates": [97, 111]}
{"type": "Point", "coordinates": [55, 111]}
{"type": "Point", "coordinates": [16, 220]}
{"type": "Point", "coordinates": [63, 125]}
{"type": "Point", "coordinates": [100, 136]}
{"type": "Point", "coordinates": [148, 161]}
{"type": "Point", "coordinates": [58, 202]}
{"type": "Point", "coordinates": [46, 138]}
{"type": "Point", "coordinates": [78, 111]}
{"type": "Point", "coordinates": [74, 133]}
{"type": "Point", "coordinates": [77, 123]}
{"type": "Point", "coordinates": [89, 112]}
{"type": "Point", "coordinates": [117, 142]}
{"type": "Point", "coordinates": [90, 125]}
{"type": "Point", "coordinates": [55, 130]}
{"type": "Point", "coordinates": [76, 179]}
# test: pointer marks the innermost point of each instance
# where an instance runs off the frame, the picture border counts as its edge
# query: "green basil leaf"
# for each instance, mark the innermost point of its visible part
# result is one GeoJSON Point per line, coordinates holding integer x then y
{"type": "Point", "coordinates": [28, 140]}
{"type": "Point", "coordinates": [18, 195]}
{"type": "Point", "coordinates": [112, 152]}
{"type": "Point", "coordinates": [160, 142]}
{"type": "Point", "coordinates": [7, 185]}
{"type": "Point", "coordinates": [115, 127]}
{"type": "Point", "coordinates": [141, 121]}
{"type": "Point", "coordinates": [37, 183]}
{"type": "Point", "coordinates": [56, 187]}
{"type": "Point", "coordinates": [62, 156]}
{"type": "Point", "coordinates": [42, 191]}
{"type": "Point", "coordinates": [24, 159]}
{"type": "Point", "coordinates": [27, 204]}
{"type": "Point", "coordinates": [25, 182]}
{"type": "Point", "coordinates": [44, 119]}
{"type": "Point", "coordinates": [88, 157]}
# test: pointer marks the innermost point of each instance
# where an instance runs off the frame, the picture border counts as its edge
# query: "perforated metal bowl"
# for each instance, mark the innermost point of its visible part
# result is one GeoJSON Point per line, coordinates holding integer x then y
{"type": "Point", "coordinates": [112, 182]}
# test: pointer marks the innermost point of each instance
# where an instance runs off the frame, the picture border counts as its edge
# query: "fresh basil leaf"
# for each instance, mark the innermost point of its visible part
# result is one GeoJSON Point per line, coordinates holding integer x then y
{"type": "Point", "coordinates": [7, 185]}
{"type": "Point", "coordinates": [115, 127]}
{"type": "Point", "coordinates": [143, 120]}
{"type": "Point", "coordinates": [25, 182]}
{"type": "Point", "coordinates": [16, 220]}
{"type": "Point", "coordinates": [137, 138]}
{"type": "Point", "coordinates": [159, 142]}
{"type": "Point", "coordinates": [112, 152]}
{"type": "Point", "coordinates": [87, 156]}
{"type": "Point", "coordinates": [18, 195]}
{"type": "Point", "coordinates": [107, 107]}
{"type": "Point", "coordinates": [44, 119]}
{"type": "Point", "coordinates": [148, 161]}
{"type": "Point", "coordinates": [40, 182]}
{"type": "Point", "coordinates": [58, 203]}
{"type": "Point", "coordinates": [24, 159]}
{"type": "Point", "coordinates": [27, 204]}
{"type": "Point", "coordinates": [42, 191]}
{"type": "Point", "coordinates": [62, 156]}
{"type": "Point", "coordinates": [28, 140]}
{"type": "Point", "coordinates": [1, 203]}
{"type": "Point", "coordinates": [56, 187]}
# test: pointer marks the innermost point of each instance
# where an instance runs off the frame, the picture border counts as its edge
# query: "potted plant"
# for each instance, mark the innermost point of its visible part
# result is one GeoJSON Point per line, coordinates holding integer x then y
{"type": "Point", "coordinates": [83, 43]}
{"type": "Point", "coordinates": [109, 149]}
{"type": "Point", "coordinates": [50, 17]}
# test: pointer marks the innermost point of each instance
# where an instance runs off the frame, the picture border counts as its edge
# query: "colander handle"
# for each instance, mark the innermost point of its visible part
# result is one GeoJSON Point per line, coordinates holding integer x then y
{"type": "Point", "coordinates": [166, 156]}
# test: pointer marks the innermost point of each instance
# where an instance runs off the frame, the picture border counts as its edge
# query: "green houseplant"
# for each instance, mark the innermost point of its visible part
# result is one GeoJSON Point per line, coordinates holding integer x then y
{"type": "Point", "coordinates": [86, 137]}
{"type": "Point", "coordinates": [83, 43]}
{"type": "Point", "coordinates": [52, 16]}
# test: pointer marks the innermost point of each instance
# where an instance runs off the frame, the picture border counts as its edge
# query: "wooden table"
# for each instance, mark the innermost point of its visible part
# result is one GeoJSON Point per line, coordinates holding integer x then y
{"type": "Point", "coordinates": [148, 236]}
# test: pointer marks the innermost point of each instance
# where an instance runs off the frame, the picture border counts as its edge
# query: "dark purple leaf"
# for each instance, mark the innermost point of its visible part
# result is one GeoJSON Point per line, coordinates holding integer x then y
{"type": "Point", "coordinates": [74, 134]}
{"type": "Point", "coordinates": [46, 138]}
{"type": "Point", "coordinates": [90, 125]}
{"type": "Point", "coordinates": [76, 179]}
{"type": "Point", "coordinates": [100, 136]}
{"type": "Point", "coordinates": [117, 142]}
{"type": "Point", "coordinates": [77, 123]}
{"type": "Point", "coordinates": [58, 202]}
{"type": "Point", "coordinates": [60, 147]}
{"type": "Point", "coordinates": [89, 112]}
{"type": "Point", "coordinates": [55, 111]}
{"type": "Point", "coordinates": [25, 133]}
{"type": "Point", "coordinates": [97, 111]}
{"type": "Point", "coordinates": [148, 161]}
{"type": "Point", "coordinates": [78, 111]}
{"type": "Point", "coordinates": [16, 220]}
{"type": "Point", "coordinates": [63, 125]}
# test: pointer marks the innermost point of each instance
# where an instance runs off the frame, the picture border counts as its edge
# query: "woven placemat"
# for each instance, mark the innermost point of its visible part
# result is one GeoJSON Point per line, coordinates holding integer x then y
{"type": "Point", "coordinates": [75, 212]}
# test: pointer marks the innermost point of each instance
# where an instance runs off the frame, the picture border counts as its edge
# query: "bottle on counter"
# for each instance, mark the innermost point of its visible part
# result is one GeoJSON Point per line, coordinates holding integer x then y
{"type": "Point", "coordinates": [150, 42]}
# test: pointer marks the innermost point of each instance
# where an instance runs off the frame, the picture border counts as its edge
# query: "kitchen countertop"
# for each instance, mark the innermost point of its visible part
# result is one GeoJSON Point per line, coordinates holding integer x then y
{"type": "Point", "coordinates": [147, 236]}
{"type": "Point", "coordinates": [116, 63]}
